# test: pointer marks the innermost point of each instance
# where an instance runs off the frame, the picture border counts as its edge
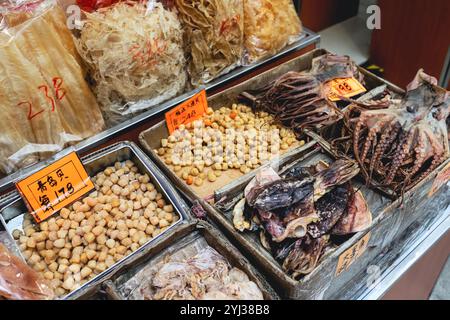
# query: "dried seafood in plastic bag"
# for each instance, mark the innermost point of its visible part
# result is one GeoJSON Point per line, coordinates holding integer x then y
{"type": "Point", "coordinates": [269, 25]}
{"type": "Point", "coordinates": [134, 52]}
{"type": "Point", "coordinates": [46, 103]}
{"type": "Point", "coordinates": [20, 282]}
{"type": "Point", "coordinates": [214, 36]}
{"type": "Point", "coordinates": [206, 276]}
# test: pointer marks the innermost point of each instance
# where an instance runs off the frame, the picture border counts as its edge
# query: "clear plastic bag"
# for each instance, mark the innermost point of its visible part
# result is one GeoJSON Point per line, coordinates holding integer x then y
{"type": "Point", "coordinates": [46, 102]}
{"type": "Point", "coordinates": [269, 26]}
{"type": "Point", "coordinates": [20, 282]}
{"type": "Point", "coordinates": [134, 52]}
{"type": "Point", "coordinates": [214, 31]}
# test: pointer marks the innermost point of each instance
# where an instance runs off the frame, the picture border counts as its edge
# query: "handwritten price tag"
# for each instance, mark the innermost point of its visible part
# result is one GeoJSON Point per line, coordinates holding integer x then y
{"type": "Point", "coordinates": [345, 87]}
{"type": "Point", "coordinates": [54, 187]}
{"type": "Point", "coordinates": [187, 112]}
{"type": "Point", "coordinates": [442, 178]}
{"type": "Point", "coordinates": [349, 256]}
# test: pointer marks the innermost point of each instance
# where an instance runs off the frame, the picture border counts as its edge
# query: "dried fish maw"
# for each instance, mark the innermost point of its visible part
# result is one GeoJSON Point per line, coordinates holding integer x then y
{"type": "Point", "coordinates": [357, 218]}
{"type": "Point", "coordinates": [19, 80]}
{"type": "Point", "coordinates": [269, 25]}
{"type": "Point", "coordinates": [133, 52]}
{"type": "Point", "coordinates": [74, 103]}
{"type": "Point", "coordinates": [214, 36]}
{"type": "Point", "coordinates": [20, 282]}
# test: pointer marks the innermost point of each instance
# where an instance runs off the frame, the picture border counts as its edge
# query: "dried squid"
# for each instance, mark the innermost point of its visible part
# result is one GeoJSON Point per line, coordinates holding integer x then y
{"type": "Point", "coordinates": [398, 142]}
{"type": "Point", "coordinates": [300, 99]}
{"type": "Point", "coordinates": [299, 211]}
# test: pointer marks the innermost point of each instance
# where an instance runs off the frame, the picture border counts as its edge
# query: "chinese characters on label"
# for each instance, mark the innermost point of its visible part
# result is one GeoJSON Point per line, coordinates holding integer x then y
{"type": "Point", "coordinates": [187, 112]}
{"type": "Point", "coordinates": [441, 179]}
{"type": "Point", "coordinates": [54, 187]}
{"type": "Point", "coordinates": [347, 258]}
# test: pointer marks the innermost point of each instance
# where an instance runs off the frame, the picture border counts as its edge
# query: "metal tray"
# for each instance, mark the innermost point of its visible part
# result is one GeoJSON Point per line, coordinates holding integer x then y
{"type": "Point", "coordinates": [11, 216]}
{"type": "Point", "coordinates": [150, 138]}
{"type": "Point", "coordinates": [120, 286]}
{"type": "Point", "coordinates": [309, 38]}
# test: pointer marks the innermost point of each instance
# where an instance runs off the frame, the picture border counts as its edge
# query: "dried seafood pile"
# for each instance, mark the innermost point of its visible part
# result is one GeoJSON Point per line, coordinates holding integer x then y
{"type": "Point", "coordinates": [398, 142]}
{"type": "Point", "coordinates": [297, 212]}
{"type": "Point", "coordinates": [300, 99]}
{"type": "Point", "coordinates": [46, 103]}
{"type": "Point", "coordinates": [134, 52]}
{"type": "Point", "coordinates": [205, 276]}
{"type": "Point", "coordinates": [269, 25]}
{"type": "Point", "coordinates": [214, 36]}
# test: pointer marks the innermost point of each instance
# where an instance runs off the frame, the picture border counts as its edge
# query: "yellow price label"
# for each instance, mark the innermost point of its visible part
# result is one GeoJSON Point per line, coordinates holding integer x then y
{"type": "Point", "coordinates": [188, 111]}
{"type": "Point", "coordinates": [348, 257]}
{"type": "Point", "coordinates": [344, 87]}
{"type": "Point", "coordinates": [55, 186]}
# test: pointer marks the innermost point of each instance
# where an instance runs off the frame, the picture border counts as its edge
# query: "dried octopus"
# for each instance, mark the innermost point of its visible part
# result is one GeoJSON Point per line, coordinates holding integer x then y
{"type": "Point", "coordinates": [298, 211]}
{"type": "Point", "coordinates": [398, 142]}
{"type": "Point", "coordinates": [300, 99]}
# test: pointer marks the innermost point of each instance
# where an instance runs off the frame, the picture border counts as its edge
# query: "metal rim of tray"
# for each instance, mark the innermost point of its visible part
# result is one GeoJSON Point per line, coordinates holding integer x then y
{"type": "Point", "coordinates": [169, 193]}
{"type": "Point", "coordinates": [309, 38]}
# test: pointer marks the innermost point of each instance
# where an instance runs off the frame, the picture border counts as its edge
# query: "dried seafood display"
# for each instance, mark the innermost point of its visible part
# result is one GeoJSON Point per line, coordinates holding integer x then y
{"type": "Point", "coordinates": [214, 36]}
{"type": "Point", "coordinates": [205, 276]}
{"type": "Point", "coordinates": [398, 142]}
{"type": "Point", "coordinates": [46, 102]}
{"type": "Point", "coordinates": [300, 99]}
{"type": "Point", "coordinates": [298, 212]}
{"type": "Point", "coordinates": [190, 151]}
{"type": "Point", "coordinates": [124, 213]}
{"type": "Point", "coordinates": [269, 25]}
{"type": "Point", "coordinates": [20, 282]}
{"type": "Point", "coordinates": [134, 52]}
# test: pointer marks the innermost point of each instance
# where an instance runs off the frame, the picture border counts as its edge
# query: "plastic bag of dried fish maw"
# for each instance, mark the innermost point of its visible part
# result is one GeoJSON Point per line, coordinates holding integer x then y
{"type": "Point", "coordinates": [269, 26]}
{"type": "Point", "coordinates": [46, 102]}
{"type": "Point", "coordinates": [134, 52]}
{"type": "Point", "coordinates": [213, 36]}
{"type": "Point", "coordinates": [20, 282]}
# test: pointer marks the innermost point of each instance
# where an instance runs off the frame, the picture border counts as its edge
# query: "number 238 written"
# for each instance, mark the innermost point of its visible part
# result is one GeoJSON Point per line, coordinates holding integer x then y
{"type": "Point", "coordinates": [57, 95]}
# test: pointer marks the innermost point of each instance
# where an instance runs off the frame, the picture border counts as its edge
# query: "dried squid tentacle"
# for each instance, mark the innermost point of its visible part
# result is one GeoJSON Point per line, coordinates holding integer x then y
{"type": "Point", "coordinates": [402, 151]}
{"type": "Point", "coordinates": [388, 136]}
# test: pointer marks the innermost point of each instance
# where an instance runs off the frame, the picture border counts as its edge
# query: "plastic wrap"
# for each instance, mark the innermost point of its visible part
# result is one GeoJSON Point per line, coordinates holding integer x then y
{"type": "Point", "coordinates": [196, 272]}
{"type": "Point", "coordinates": [269, 25]}
{"type": "Point", "coordinates": [46, 103]}
{"type": "Point", "coordinates": [214, 36]}
{"type": "Point", "coordinates": [135, 56]}
{"type": "Point", "coordinates": [20, 282]}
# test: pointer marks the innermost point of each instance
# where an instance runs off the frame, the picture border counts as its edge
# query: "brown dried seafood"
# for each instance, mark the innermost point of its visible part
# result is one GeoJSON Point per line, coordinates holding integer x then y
{"type": "Point", "coordinates": [214, 36]}
{"type": "Point", "coordinates": [205, 276]}
{"type": "Point", "coordinates": [300, 99]}
{"type": "Point", "coordinates": [399, 142]}
{"type": "Point", "coordinates": [298, 212]}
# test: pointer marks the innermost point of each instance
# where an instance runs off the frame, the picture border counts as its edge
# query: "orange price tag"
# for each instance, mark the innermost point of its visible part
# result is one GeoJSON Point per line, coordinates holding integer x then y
{"type": "Point", "coordinates": [442, 178]}
{"type": "Point", "coordinates": [344, 87]}
{"type": "Point", "coordinates": [349, 256]}
{"type": "Point", "coordinates": [54, 187]}
{"type": "Point", "coordinates": [187, 112]}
